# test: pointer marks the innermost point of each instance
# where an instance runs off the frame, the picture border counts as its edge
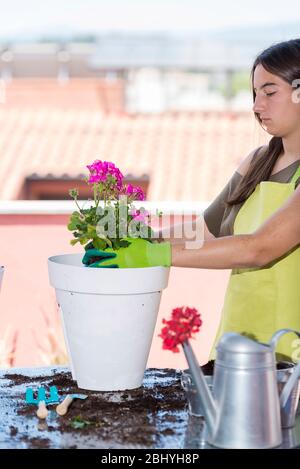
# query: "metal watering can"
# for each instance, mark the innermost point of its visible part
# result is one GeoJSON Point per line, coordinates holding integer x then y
{"type": "Point", "coordinates": [245, 411]}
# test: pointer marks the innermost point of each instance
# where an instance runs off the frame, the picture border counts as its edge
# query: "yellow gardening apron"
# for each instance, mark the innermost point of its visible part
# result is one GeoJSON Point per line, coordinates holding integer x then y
{"type": "Point", "coordinates": [259, 301]}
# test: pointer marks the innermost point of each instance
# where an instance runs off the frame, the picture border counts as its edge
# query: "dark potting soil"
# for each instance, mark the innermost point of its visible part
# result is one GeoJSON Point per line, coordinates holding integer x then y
{"type": "Point", "coordinates": [16, 379]}
{"type": "Point", "coordinates": [131, 417]}
{"type": "Point", "coordinates": [208, 368]}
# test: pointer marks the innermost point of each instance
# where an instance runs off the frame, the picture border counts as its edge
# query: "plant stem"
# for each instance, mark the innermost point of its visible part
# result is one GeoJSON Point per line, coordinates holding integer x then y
{"type": "Point", "coordinates": [80, 210]}
{"type": "Point", "coordinates": [95, 194]}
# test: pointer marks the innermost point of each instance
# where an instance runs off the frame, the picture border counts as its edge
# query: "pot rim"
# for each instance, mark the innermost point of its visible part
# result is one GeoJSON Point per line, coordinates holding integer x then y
{"type": "Point", "coordinates": [66, 272]}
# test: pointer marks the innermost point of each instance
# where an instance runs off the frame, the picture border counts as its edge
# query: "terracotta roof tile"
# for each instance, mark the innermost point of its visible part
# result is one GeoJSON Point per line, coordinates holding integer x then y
{"type": "Point", "coordinates": [78, 93]}
{"type": "Point", "coordinates": [188, 155]}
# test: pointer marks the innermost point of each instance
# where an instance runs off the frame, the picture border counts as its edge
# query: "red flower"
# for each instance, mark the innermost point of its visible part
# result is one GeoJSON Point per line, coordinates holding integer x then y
{"type": "Point", "coordinates": [184, 322]}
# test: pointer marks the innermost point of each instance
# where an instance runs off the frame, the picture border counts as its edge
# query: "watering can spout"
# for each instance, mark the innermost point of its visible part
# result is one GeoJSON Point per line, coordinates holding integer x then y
{"type": "Point", "coordinates": [289, 386]}
{"type": "Point", "coordinates": [205, 396]}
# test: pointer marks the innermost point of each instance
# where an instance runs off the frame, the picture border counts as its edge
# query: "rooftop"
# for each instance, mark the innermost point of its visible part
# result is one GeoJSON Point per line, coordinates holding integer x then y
{"type": "Point", "coordinates": [50, 128]}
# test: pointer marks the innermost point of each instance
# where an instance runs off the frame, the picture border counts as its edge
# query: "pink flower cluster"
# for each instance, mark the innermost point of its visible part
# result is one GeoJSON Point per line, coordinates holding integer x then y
{"type": "Point", "coordinates": [140, 215]}
{"type": "Point", "coordinates": [137, 192]}
{"type": "Point", "coordinates": [184, 322]}
{"type": "Point", "coordinates": [99, 171]}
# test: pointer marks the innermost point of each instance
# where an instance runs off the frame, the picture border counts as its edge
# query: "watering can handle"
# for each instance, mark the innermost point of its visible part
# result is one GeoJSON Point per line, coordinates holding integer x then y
{"type": "Point", "coordinates": [296, 373]}
{"type": "Point", "coordinates": [275, 337]}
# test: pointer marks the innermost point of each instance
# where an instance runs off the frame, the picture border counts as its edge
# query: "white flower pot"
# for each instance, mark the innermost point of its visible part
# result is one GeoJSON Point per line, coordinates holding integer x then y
{"type": "Point", "coordinates": [108, 318]}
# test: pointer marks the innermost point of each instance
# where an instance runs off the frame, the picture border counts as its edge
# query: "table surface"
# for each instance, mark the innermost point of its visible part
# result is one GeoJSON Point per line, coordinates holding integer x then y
{"type": "Point", "coordinates": [152, 416]}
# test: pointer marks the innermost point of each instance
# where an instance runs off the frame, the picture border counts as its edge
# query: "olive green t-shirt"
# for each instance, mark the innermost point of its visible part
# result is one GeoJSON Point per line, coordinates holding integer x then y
{"type": "Point", "coordinates": [220, 219]}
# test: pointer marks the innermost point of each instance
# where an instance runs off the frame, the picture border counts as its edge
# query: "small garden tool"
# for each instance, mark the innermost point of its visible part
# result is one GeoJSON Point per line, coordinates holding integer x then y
{"type": "Point", "coordinates": [63, 407]}
{"type": "Point", "coordinates": [42, 400]}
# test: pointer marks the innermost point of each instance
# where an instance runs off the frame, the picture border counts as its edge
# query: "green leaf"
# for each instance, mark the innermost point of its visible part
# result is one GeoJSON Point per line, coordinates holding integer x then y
{"type": "Point", "coordinates": [79, 422]}
{"type": "Point", "coordinates": [72, 226]}
{"type": "Point", "coordinates": [91, 231]}
{"type": "Point", "coordinates": [99, 244]}
{"type": "Point", "coordinates": [84, 239]}
{"type": "Point", "coordinates": [75, 214]}
{"type": "Point", "coordinates": [124, 243]}
{"type": "Point", "coordinates": [101, 236]}
{"type": "Point", "coordinates": [74, 221]}
{"type": "Point", "coordinates": [73, 241]}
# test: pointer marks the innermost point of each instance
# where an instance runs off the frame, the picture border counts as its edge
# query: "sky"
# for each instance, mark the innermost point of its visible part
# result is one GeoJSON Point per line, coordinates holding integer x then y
{"type": "Point", "coordinates": [31, 17]}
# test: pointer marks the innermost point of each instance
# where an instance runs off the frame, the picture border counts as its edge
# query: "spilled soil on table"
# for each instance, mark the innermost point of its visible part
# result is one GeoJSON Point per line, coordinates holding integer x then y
{"type": "Point", "coordinates": [134, 417]}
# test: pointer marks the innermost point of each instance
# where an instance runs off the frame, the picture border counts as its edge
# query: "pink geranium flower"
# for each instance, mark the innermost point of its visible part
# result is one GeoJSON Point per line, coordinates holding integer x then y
{"type": "Point", "coordinates": [136, 193]}
{"type": "Point", "coordinates": [140, 215]}
{"type": "Point", "coordinates": [100, 170]}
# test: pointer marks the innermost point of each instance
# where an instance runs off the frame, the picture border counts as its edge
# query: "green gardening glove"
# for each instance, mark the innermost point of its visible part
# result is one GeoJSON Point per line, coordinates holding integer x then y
{"type": "Point", "coordinates": [140, 253]}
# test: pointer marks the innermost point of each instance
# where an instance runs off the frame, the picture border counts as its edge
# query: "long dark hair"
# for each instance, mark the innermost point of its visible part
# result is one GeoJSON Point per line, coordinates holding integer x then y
{"type": "Point", "coordinates": [283, 60]}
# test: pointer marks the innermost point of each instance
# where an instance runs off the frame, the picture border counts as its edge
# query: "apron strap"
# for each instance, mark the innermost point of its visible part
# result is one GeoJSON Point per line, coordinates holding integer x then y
{"type": "Point", "coordinates": [296, 176]}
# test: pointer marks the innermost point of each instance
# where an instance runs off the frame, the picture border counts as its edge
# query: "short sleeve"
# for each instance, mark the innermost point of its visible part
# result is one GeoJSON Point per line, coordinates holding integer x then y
{"type": "Point", "coordinates": [214, 213]}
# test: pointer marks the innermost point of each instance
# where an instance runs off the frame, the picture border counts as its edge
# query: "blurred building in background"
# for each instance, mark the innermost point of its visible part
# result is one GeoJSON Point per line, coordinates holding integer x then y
{"type": "Point", "coordinates": [158, 73]}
